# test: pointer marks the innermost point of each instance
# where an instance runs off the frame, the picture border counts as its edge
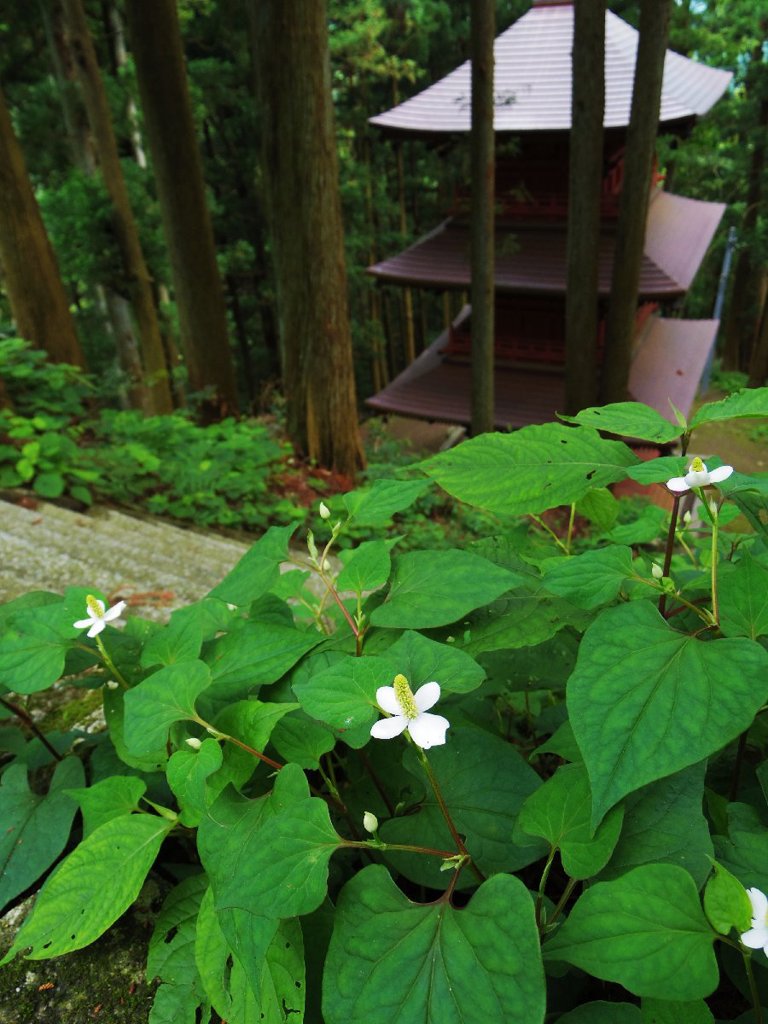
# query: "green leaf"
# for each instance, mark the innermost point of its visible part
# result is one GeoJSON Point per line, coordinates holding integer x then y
{"type": "Point", "coordinates": [662, 1011]}
{"type": "Point", "coordinates": [286, 839]}
{"type": "Point", "coordinates": [600, 508]}
{"type": "Point", "coordinates": [255, 655]}
{"type": "Point", "coordinates": [646, 931]}
{"type": "Point", "coordinates": [172, 952]}
{"type": "Point", "coordinates": [180, 640]}
{"type": "Point", "coordinates": [433, 588]}
{"type": "Point", "coordinates": [658, 471]}
{"type": "Point", "coordinates": [744, 851]}
{"type": "Point", "coordinates": [344, 695]}
{"type": "Point", "coordinates": [664, 822]}
{"type": "Point", "coordinates": [91, 888]}
{"type": "Point", "coordinates": [750, 494]}
{"type": "Point", "coordinates": [110, 798]}
{"type": "Point", "coordinates": [32, 661]}
{"type": "Point", "coordinates": [395, 962]}
{"type": "Point", "coordinates": [646, 701]}
{"type": "Point", "coordinates": [484, 782]}
{"type": "Point", "coordinates": [525, 617]}
{"type": "Point", "coordinates": [743, 596]}
{"type": "Point", "coordinates": [376, 505]}
{"type": "Point", "coordinates": [35, 828]}
{"type": "Point", "coordinates": [422, 660]}
{"type": "Point", "coordinates": [747, 402]}
{"type": "Point", "coordinates": [628, 419]}
{"type": "Point", "coordinates": [49, 485]}
{"type": "Point", "coordinates": [560, 811]}
{"type": "Point", "coordinates": [155, 704]}
{"type": "Point", "coordinates": [367, 568]}
{"type": "Point", "coordinates": [187, 772]}
{"type": "Point", "coordinates": [252, 721]}
{"type": "Point", "coordinates": [726, 902]}
{"type": "Point", "coordinates": [603, 1013]}
{"type": "Point", "coordinates": [589, 579]}
{"type": "Point", "coordinates": [257, 570]}
{"type": "Point", "coordinates": [300, 739]}
{"type": "Point", "coordinates": [531, 470]}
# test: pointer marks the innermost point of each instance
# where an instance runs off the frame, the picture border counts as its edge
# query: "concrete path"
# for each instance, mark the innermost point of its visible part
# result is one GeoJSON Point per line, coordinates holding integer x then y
{"type": "Point", "coordinates": [153, 566]}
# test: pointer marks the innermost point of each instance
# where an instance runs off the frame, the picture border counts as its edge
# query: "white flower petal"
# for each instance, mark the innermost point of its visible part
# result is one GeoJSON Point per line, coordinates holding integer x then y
{"type": "Point", "coordinates": [388, 728]}
{"type": "Point", "coordinates": [428, 730]}
{"type": "Point", "coordinates": [96, 628]}
{"type": "Point", "coordinates": [83, 623]}
{"type": "Point", "coordinates": [759, 903]}
{"type": "Point", "coordinates": [678, 484]}
{"type": "Point", "coordinates": [115, 612]}
{"type": "Point", "coordinates": [721, 473]}
{"type": "Point", "coordinates": [387, 701]}
{"type": "Point", "coordinates": [427, 696]}
{"type": "Point", "coordinates": [697, 478]}
{"type": "Point", "coordinates": [755, 938]}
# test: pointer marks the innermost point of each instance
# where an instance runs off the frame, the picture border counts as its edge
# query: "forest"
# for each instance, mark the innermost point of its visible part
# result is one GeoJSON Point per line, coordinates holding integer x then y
{"type": "Point", "coordinates": [472, 734]}
{"type": "Point", "coordinates": [140, 153]}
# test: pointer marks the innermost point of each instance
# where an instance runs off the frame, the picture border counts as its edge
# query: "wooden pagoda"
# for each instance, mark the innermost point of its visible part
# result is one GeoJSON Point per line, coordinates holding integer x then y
{"type": "Point", "coordinates": [533, 90]}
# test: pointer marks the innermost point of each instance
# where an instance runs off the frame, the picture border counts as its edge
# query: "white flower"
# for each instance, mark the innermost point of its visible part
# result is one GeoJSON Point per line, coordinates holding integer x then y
{"type": "Point", "coordinates": [408, 711]}
{"type": "Point", "coordinates": [698, 476]}
{"type": "Point", "coordinates": [98, 615]}
{"type": "Point", "coordinates": [370, 822]}
{"type": "Point", "coordinates": [757, 936]}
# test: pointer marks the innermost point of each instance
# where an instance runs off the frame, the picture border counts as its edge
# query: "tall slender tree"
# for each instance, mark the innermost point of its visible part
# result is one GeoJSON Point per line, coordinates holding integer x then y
{"type": "Point", "coordinates": [157, 49]}
{"type": "Point", "coordinates": [137, 278]}
{"type": "Point", "coordinates": [635, 193]}
{"type": "Point", "coordinates": [483, 163]}
{"type": "Point", "coordinates": [584, 186]}
{"type": "Point", "coordinates": [38, 301]}
{"type": "Point", "coordinates": [300, 167]}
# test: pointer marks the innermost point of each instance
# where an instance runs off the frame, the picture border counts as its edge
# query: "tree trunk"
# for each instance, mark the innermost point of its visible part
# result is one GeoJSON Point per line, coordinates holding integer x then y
{"type": "Point", "coordinates": [39, 303]}
{"type": "Point", "coordinates": [584, 188]}
{"type": "Point", "coordinates": [482, 160]}
{"type": "Point", "coordinates": [300, 166]}
{"type": "Point", "coordinates": [635, 193]}
{"type": "Point", "coordinates": [157, 49]}
{"type": "Point", "coordinates": [137, 275]}
{"type": "Point", "coordinates": [741, 323]}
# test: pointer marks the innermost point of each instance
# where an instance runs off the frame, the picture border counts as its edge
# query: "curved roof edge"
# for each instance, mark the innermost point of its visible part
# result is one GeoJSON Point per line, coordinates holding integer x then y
{"type": "Point", "coordinates": [533, 81]}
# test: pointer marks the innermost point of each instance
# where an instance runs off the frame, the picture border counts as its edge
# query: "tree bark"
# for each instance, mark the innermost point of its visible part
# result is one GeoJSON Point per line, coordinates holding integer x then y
{"type": "Point", "coordinates": [482, 159]}
{"type": "Point", "coordinates": [635, 193]}
{"type": "Point", "coordinates": [585, 174]}
{"type": "Point", "coordinates": [300, 166]}
{"type": "Point", "coordinates": [170, 130]}
{"type": "Point", "coordinates": [741, 327]}
{"type": "Point", "coordinates": [137, 276]}
{"type": "Point", "coordinates": [39, 303]}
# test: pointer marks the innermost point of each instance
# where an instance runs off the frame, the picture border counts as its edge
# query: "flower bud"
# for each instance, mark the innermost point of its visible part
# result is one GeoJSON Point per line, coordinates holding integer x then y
{"type": "Point", "coordinates": [112, 684]}
{"type": "Point", "coordinates": [311, 546]}
{"type": "Point", "coordinates": [370, 823]}
{"type": "Point", "coordinates": [194, 743]}
{"type": "Point", "coordinates": [325, 512]}
{"type": "Point", "coordinates": [656, 571]}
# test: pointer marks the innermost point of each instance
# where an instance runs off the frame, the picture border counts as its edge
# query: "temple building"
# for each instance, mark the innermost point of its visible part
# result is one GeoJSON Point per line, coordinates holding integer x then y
{"type": "Point", "coordinates": [532, 87]}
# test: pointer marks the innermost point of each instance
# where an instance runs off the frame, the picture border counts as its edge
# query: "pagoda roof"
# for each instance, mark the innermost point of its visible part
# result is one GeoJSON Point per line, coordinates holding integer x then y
{"type": "Point", "coordinates": [533, 259]}
{"type": "Point", "coordinates": [532, 81]}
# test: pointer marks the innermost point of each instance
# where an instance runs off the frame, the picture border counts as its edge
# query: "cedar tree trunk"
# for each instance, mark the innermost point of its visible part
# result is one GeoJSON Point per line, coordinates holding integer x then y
{"type": "Point", "coordinates": [300, 167]}
{"type": "Point", "coordinates": [137, 276]}
{"type": "Point", "coordinates": [39, 303]}
{"type": "Point", "coordinates": [157, 49]}
{"type": "Point", "coordinates": [635, 193]}
{"type": "Point", "coordinates": [482, 159]}
{"type": "Point", "coordinates": [585, 175]}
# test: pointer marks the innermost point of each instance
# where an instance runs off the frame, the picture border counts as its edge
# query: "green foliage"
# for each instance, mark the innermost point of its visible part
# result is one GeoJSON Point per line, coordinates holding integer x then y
{"type": "Point", "coordinates": [596, 805]}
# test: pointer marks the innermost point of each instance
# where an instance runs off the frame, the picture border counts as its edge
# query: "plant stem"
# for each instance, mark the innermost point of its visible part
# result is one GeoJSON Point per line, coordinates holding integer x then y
{"type": "Point", "coordinates": [542, 887]}
{"type": "Point", "coordinates": [571, 519]}
{"type": "Point", "coordinates": [715, 608]}
{"type": "Point", "coordinates": [404, 847]}
{"type": "Point", "coordinates": [669, 548]}
{"type": "Point", "coordinates": [753, 988]}
{"type": "Point", "coordinates": [563, 900]}
{"type": "Point", "coordinates": [26, 718]}
{"type": "Point", "coordinates": [447, 814]}
{"type": "Point", "coordinates": [110, 664]}
{"type": "Point", "coordinates": [540, 522]}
